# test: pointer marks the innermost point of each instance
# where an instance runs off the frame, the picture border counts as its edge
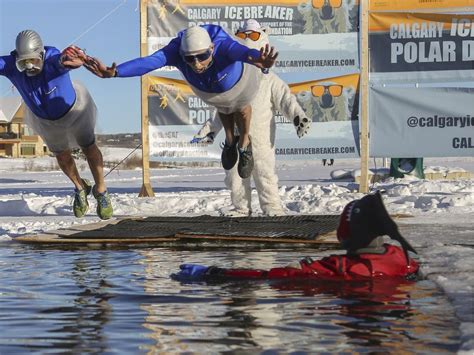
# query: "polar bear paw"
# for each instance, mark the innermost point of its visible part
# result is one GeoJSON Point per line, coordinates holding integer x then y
{"type": "Point", "coordinates": [302, 125]}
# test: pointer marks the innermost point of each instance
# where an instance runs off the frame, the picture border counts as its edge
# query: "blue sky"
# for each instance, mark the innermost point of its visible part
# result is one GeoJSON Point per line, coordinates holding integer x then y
{"type": "Point", "coordinates": [116, 38]}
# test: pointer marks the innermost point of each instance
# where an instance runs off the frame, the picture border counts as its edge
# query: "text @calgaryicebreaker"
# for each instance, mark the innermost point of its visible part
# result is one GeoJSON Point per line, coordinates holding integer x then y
{"type": "Point", "coordinates": [441, 122]}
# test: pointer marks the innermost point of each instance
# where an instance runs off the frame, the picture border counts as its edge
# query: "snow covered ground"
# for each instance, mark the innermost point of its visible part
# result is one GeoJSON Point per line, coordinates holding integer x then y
{"type": "Point", "coordinates": [442, 226]}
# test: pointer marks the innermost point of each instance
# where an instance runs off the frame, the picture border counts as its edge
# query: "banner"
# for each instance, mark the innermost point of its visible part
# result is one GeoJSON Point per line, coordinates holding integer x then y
{"type": "Point", "coordinates": [176, 115]}
{"type": "Point", "coordinates": [427, 122]}
{"type": "Point", "coordinates": [317, 41]}
{"type": "Point", "coordinates": [284, 17]}
{"type": "Point", "coordinates": [404, 42]}
{"type": "Point", "coordinates": [314, 38]}
{"type": "Point", "coordinates": [421, 83]}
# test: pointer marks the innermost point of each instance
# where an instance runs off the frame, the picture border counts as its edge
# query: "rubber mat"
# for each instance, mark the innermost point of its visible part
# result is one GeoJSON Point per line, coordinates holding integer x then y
{"type": "Point", "coordinates": [303, 229]}
{"type": "Point", "coordinates": [306, 227]}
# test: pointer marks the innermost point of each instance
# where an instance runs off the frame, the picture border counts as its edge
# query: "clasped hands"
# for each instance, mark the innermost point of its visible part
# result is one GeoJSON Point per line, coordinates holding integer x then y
{"type": "Point", "coordinates": [74, 57]}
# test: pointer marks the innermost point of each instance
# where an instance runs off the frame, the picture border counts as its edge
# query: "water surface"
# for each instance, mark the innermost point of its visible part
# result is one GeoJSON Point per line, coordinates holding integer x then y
{"type": "Point", "coordinates": [107, 300]}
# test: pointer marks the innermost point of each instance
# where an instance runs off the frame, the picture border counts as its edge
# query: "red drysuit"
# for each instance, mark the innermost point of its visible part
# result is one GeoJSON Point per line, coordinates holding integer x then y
{"type": "Point", "coordinates": [392, 263]}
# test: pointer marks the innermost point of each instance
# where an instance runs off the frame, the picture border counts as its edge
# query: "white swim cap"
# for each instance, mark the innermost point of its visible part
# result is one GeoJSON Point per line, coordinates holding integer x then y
{"type": "Point", "coordinates": [195, 39]}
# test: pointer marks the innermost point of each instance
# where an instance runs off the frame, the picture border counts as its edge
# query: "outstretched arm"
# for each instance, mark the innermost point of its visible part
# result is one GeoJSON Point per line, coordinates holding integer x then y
{"type": "Point", "coordinates": [285, 102]}
{"type": "Point", "coordinates": [96, 67]}
{"type": "Point", "coordinates": [266, 59]}
{"type": "Point", "coordinates": [72, 57]}
{"type": "Point", "coordinates": [263, 58]}
{"type": "Point", "coordinates": [136, 67]}
{"type": "Point", "coordinates": [305, 268]}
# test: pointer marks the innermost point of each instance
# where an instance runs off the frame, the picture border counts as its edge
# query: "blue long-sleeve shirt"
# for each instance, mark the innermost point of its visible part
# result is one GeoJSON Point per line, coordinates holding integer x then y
{"type": "Point", "coordinates": [221, 76]}
{"type": "Point", "coordinates": [49, 94]}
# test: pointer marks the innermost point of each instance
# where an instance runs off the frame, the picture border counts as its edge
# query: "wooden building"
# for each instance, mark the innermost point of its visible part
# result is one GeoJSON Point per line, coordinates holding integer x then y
{"type": "Point", "coordinates": [17, 140]}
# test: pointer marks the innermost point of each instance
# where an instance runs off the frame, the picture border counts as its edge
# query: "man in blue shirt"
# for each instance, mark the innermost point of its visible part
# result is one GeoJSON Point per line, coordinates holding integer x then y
{"type": "Point", "coordinates": [61, 112]}
{"type": "Point", "coordinates": [221, 71]}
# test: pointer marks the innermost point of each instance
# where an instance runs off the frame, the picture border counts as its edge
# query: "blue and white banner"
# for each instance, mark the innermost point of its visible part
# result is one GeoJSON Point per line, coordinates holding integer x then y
{"type": "Point", "coordinates": [318, 58]}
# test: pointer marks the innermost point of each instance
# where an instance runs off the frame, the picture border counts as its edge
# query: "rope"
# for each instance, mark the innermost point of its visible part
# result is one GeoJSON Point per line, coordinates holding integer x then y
{"type": "Point", "coordinates": [120, 162]}
{"type": "Point", "coordinates": [82, 35]}
{"type": "Point", "coordinates": [101, 20]}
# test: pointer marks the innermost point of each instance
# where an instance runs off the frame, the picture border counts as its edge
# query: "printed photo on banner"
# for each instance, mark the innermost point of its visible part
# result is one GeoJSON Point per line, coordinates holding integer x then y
{"type": "Point", "coordinates": [332, 99]}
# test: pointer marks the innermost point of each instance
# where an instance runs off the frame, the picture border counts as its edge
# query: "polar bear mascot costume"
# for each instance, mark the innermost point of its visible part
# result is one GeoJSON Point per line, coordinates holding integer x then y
{"type": "Point", "coordinates": [274, 95]}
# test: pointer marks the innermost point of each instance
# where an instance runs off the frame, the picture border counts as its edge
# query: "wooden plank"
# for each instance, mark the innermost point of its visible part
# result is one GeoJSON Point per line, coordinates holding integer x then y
{"type": "Point", "coordinates": [364, 93]}
{"type": "Point", "coordinates": [146, 190]}
{"type": "Point", "coordinates": [54, 238]}
{"type": "Point", "coordinates": [57, 239]}
{"type": "Point", "coordinates": [329, 238]}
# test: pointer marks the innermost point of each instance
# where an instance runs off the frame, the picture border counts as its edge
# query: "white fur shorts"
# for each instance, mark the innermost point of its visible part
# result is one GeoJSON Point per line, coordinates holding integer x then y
{"type": "Point", "coordinates": [241, 95]}
{"type": "Point", "coordinates": [75, 129]}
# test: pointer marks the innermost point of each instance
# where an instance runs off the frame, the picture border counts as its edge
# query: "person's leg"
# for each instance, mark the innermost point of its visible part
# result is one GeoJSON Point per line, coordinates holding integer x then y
{"type": "Point", "coordinates": [96, 164]}
{"type": "Point", "coordinates": [85, 116]}
{"type": "Point", "coordinates": [243, 119]}
{"type": "Point", "coordinates": [82, 187]}
{"type": "Point", "coordinates": [68, 166]}
{"type": "Point", "coordinates": [229, 155]}
{"type": "Point", "coordinates": [228, 122]}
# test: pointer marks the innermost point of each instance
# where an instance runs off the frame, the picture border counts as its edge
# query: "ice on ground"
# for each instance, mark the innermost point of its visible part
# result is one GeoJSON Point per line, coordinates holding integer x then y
{"type": "Point", "coordinates": [441, 227]}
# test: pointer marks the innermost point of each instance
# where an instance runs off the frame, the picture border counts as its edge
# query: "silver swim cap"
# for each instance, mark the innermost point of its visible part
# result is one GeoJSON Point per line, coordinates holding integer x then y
{"type": "Point", "coordinates": [29, 45]}
{"type": "Point", "coordinates": [195, 39]}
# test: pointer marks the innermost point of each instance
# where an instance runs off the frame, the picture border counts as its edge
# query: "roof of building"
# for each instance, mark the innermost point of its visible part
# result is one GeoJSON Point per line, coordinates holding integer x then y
{"type": "Point", "coordinates": [9, 106]}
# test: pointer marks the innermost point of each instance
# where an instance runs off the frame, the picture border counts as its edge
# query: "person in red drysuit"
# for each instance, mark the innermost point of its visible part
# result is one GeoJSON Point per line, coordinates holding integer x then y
{"type": "Point", "coordinates": [362, 225]}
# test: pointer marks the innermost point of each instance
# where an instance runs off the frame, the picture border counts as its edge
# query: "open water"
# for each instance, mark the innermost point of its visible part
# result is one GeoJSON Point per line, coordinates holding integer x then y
{"type": "Point", "coordinates": [105, 300]}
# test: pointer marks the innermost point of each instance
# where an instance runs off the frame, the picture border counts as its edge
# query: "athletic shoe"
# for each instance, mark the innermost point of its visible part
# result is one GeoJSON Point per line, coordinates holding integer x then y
{"type": "Point", "coordinates": [104, 206]}
{"type": "Point", "coordinates": [229, 154]}
{"type": "Point", "coordinates": [80, 204]}
{"type": "Point", "coordinates": [245, 166]}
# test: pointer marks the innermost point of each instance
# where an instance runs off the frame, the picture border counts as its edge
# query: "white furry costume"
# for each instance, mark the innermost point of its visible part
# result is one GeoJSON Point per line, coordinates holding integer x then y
{"type": "Point", "coordinates": [274, 95]}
